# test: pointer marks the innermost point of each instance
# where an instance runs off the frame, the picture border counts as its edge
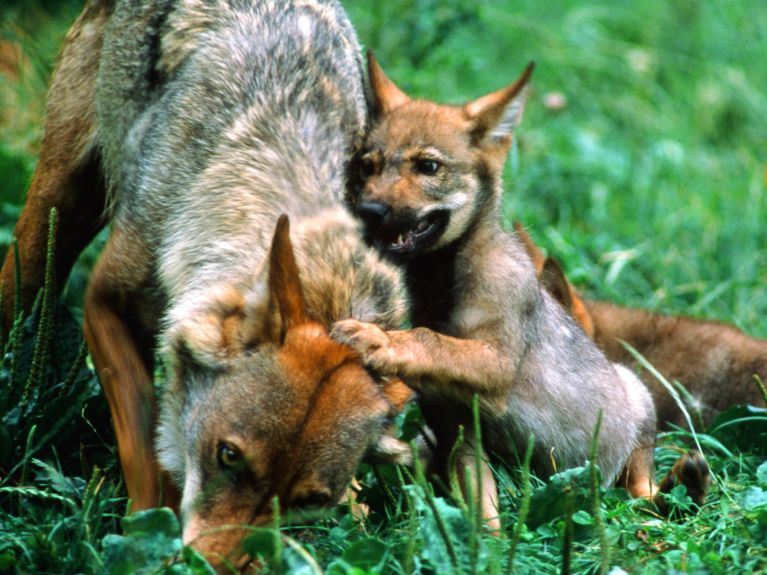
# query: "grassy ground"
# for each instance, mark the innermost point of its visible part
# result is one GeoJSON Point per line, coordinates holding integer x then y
{"type": "Point", "coordinates": [649, 185]}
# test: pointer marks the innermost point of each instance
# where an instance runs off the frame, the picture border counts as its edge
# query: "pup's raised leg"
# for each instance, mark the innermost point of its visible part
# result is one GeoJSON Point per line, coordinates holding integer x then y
{"type": "Point", "coordinates": [121, 345]}
{"type": "Point", "coordinates": [68, 172]}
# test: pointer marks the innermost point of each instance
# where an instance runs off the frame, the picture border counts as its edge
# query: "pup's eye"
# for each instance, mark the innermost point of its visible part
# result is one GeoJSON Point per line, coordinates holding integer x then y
{"type": "Point", "coordinates": [367, 167]}
{"type": "Point", "coordinates": [229, 456]}
{"type": "Point", "coordinates": [427, 167]}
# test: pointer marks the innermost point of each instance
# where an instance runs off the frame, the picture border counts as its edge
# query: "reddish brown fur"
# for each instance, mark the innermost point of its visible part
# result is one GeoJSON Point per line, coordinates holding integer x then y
{"type": "Point", "coordinates": [715, 362]}
{"type": "Point", "coordinates": [67, 176]}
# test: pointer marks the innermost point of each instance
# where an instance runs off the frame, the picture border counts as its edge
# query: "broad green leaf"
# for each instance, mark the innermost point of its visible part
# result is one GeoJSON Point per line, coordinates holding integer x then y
{"type": "Point", "coordinates": [753, 498]}
{"type": "Point", "coordinates": [150, 538]}
{"type": "Point", "coordinates": [368, 554]}
{"type": "Point", "coordinates": [761, 474]}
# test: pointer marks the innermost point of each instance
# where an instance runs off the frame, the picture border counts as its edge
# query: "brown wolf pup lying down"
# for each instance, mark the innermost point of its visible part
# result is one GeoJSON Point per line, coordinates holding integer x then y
{"type": "Point", "coordinates": [716, 363]}
{"type": "Point", "coordinates": [190, 127]}
{"type": "Point", "coordinates": [429, 196]}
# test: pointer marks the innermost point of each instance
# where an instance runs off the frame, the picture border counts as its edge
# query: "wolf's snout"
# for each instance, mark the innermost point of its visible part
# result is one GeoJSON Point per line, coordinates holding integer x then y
{"type": "Point", "coordinates": [372, 212]}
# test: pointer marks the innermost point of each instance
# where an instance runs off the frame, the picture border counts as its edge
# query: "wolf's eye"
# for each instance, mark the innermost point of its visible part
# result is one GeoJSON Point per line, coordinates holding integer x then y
{"type": "Point", "coordinates": [427, 167]}
{"type": "Point", "coordinates": [229, 456]}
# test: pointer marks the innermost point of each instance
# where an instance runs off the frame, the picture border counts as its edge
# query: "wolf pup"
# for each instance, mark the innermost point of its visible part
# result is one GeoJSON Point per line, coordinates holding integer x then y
{"type": "Point", "coordinates": [429, 197]}
{"type": "Point", "coordinates": [715, 362]}
{"type": "Point", "coordinates": [192, 126]}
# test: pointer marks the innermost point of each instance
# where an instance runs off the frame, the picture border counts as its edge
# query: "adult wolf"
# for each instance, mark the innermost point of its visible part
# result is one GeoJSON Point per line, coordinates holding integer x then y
{"type": "Point", "coordinates": [192, 126]}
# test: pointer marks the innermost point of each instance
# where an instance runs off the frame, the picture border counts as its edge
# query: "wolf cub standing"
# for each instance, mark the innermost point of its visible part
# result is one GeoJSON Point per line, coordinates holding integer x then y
{"type": "Point", "coordinates": [429, 197]}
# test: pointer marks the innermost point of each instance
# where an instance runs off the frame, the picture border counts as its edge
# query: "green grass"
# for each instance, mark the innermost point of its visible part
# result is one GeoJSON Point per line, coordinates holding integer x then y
{"type": "Point", "coordinates": [649, 185]}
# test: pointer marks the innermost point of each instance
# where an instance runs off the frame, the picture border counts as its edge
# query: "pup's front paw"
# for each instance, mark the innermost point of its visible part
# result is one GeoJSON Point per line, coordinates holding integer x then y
{"type": "Point", "coordinates": [367, 339]}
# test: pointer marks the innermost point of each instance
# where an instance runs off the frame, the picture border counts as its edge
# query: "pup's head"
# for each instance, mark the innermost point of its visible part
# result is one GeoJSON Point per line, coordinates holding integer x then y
{"type": "Point", "coordinates": [264, 404]}
{"type": "Point", "coordinates": [427, 169]}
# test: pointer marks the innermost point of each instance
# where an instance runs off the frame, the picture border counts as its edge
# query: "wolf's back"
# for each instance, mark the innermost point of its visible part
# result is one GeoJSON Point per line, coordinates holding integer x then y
{"type": "Point", "coordinates": [181, 80]}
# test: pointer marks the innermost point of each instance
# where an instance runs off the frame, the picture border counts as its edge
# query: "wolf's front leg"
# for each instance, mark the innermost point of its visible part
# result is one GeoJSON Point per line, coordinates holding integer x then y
{"type": "Point", "coordinates": [122, 351]}
{"type": "Point", "coordinates": [420, 355]}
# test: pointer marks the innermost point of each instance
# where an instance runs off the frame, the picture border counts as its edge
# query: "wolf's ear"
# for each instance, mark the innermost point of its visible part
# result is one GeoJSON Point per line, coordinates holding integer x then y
{"type": "Point", "coordinates": [386, 95]}
{"type": "Point", "coordinates": [219, 327]}
{"type": "Point", "coordinates": [496, 115]}
{"type": "Point", "coordinates": [287, 306]}
{"type": "Point", "coordinates": [389, 449]}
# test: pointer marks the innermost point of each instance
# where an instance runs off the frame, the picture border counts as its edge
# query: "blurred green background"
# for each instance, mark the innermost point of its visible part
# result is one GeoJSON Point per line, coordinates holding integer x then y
{"type": "Point", "coordinates": [641, 161]}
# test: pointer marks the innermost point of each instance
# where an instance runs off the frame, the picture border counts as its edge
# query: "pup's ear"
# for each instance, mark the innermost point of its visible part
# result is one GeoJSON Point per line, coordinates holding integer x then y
{"type": "Point", "coordinates": [496, 115]}
{"type": "Point", "coordinates": [553, 279]}
{"type": "Point", "coordinates": [287, 306]}
{"type": "Point", "coordinates": [531, 248]}
{"type": "Point", "coordinates": [386, 95]}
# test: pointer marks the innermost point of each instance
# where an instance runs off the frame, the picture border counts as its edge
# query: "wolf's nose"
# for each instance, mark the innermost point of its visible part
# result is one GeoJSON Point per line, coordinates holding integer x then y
{"type": "Point", "coordinates": [372, 212]}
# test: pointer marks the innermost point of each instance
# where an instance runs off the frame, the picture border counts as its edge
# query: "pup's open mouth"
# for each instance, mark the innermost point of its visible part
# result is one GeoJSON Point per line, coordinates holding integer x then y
{"type": "Point", "coordinates": [411, 237]}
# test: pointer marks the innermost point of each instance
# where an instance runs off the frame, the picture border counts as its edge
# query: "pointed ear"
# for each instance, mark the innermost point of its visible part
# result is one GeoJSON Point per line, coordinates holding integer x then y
{"type": "Point", "coordinates": [287, 306]}
{"type": "Point", "coordinates": [553, 279]}
{"type": "Point", "coordinates": [496, 115]}
{"type": "Point", "coordinates": [386, 95]}
{"type": "Point", "coordinates": [531, 248]}
{"type": "Point", "coordinates": [555, 282]}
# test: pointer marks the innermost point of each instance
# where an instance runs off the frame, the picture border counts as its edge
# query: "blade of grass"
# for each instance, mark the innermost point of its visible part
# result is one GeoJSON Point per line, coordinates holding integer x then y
{"type": "Point", "coordinates": [604, 563]}
{"type": "Point", "coordinates": [524, 506]}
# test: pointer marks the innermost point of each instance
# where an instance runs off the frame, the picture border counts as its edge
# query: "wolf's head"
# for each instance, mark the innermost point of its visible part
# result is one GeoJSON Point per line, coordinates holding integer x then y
{"type": "Point", "coordinates": [427, 170]}
{"type": "Point", "coordinates": [264, 404]}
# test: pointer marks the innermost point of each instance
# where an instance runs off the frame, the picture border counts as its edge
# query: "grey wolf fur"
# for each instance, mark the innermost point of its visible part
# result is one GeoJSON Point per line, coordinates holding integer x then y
{"type": "Point", "coordinates": [193, 125]}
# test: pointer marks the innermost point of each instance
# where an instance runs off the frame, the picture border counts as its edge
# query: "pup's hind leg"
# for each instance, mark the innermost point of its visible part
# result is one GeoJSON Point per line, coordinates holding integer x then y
{"type": "Point", "coordinates": [638, 476]}
{"type": "Point", "coordinates": [120, 336]}
{"type": "Point", "coordinates": [67, 176]}
{"type": "Point", "coordinates": [690, 470]}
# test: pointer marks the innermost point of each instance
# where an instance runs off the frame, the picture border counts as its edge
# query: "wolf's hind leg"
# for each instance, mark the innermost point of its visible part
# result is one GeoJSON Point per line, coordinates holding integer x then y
{"type": "Point", "coordinates": [68, 175]}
